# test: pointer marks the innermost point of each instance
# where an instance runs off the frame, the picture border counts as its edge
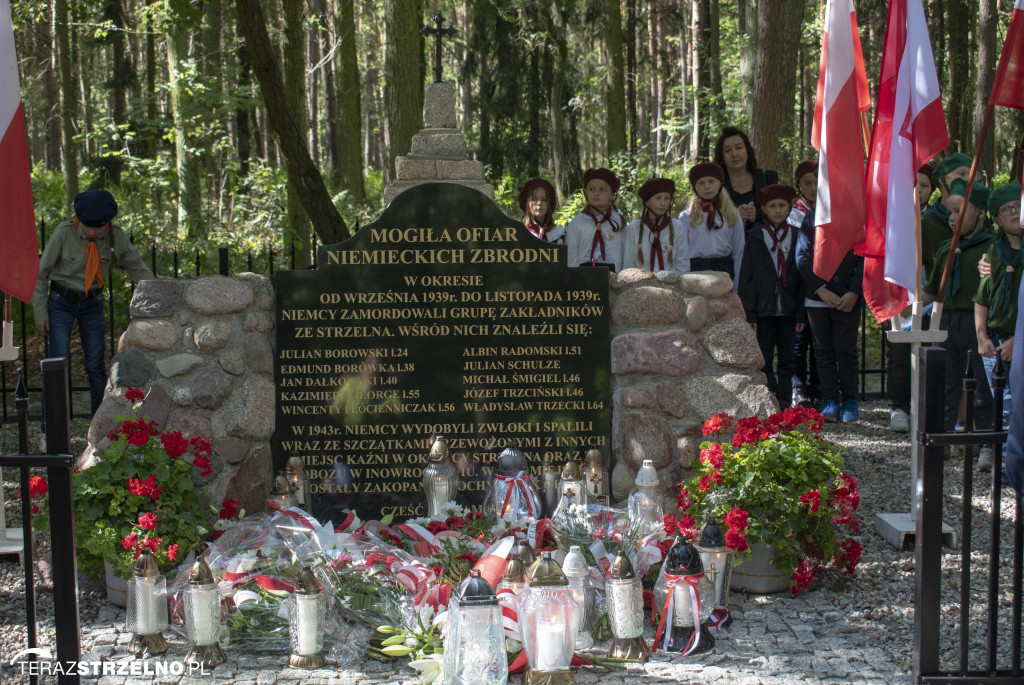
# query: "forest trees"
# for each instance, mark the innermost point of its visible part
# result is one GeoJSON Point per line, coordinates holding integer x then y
{"type": "Point", "coordinates": [207, 140]}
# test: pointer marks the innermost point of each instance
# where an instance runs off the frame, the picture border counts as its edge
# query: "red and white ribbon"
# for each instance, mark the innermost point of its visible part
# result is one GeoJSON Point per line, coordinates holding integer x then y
{"type": "Point", "coordinates": [691, 582]}
{"type": "Point", "coordinates": [351, 522]}
{"type": "Point", "coordinates": [416, 532]}
{"type": "Point", "coordinates": [509, 616]}
{"type": "Point", "coordinates": [517, 484]}
{"type": "Point", "coordinates": [666, 611]}
{"type": "Point", "coordinates": [719, 615]}
{"type": "Point", "coordinates": [604, 559]}
{"type": "Point", "coordinates": [664, 632]}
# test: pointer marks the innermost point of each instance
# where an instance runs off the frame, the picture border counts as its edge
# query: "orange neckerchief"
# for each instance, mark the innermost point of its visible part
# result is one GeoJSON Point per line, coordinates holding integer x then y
{"type": "Point", "coordinates": [93, 270]}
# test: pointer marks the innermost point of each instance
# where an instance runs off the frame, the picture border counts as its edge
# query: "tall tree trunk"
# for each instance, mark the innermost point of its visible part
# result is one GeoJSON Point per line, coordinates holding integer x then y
{"type": "Point", "coordinates": [297, 235]}
{"type": "Point", "coordinates": [350, 156]}
{"type": "Point", "coordinates": [616, 93]}
{"type": "Point", "coordinates": [703, 84]}
{"type": "Point", "coordinates": [190, 203]}
{"type": "Point", "coordinates": [715, 53]}
{"type": "Point", "coordinates": [68, 99]}
{"type": "Point", "coordinates": [937, 32]}
{"type": "Point", "coordinates": [746, 17]}
{"type": "Point", "coordinates": [244, 115]}
{"type": "Point", "coordinates": [560, 166]}
{"type": "Point", "coordinates": [213, 69]}
{"type": "Point", "coordinates": [329, 225]}
{"type": "Point", "coordinates": [51, 124]}
{"type": "Point", "coordinates": [121, 76]}
{"type": "Point", "coordinates": [778, 29]}
{"type": "Point", "coordinates": [403, 85]}
{"type": "Point", "coordinates": [654, 91]}
{"type": "Point", "coordinates": [988, 22]}
{"type": "Point", "coordinates": [536, 94]}
{"type": "Point", "coordinates": [959, 73]}
{"type": "Point", "coordinates": [153, 133]}
{"type": "Point", "coordinates": [631, 73]}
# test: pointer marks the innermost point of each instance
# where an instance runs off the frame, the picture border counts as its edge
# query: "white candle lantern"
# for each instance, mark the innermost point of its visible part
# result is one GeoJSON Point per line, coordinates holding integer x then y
{"type": "Point", "coordinates": [513, 582]}
{"type": "Point", "coordinates": [717, 560]}
{"type": "Point", "coordinates": [596, 476]}
{"type": "Point", "coordinates": [687, 635]}
{"type": "Point", "coordinates": [283, 494]}
{"type": "Point", "coordinates": [440, 477]}
{"type": "Point", "coordinates": [474, 649]}
{"type": "Point", "coordinates": [551, 491]}
{"type": "Point", "coordinates": [295, 472]}
{"type": "Point", "coordinates": [513, 495]}
{"type": "Point", "coordinates": [147, 607]}
{"type": "Point", "coordinates": [202, 618]}
{"type": "Point", "coordinates": [624, 594]}
{"type": "Point", "coordinates": [582, 590]}
{"type": "Point", "coordinates": [306, 617]}
{"type": "Point", "coordinates": [644, 504]}
{"type": "Point", "coordinates": [571, 482]}
{"type": "Point", "coordinates": [548, 619]}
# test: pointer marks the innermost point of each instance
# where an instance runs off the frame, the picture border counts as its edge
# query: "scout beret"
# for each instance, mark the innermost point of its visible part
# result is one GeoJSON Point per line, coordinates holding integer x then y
{"type": "Point", "coordinates": [602, 174]}
{"type": "Point", "coordinates": [809, 166]}
{"type": "Point", "coordinates": [979, 193]}
{"type": "Point", "coordinates": [705, 169]}
{"type": "Point", "coordinates": [653, 186]}
{"type": "Point", "coordinates": [954, 161]}
{"type": "Point", "coordinates": [927, 169]}
{"type": "Point", "coordinates": [1008, 192]}
{"type": "Point", "coordinates": [776, 191]}
{"type": "Point", "coordinates": [528, 187]}
{"type": "Point", "coordinates": [94, 208]}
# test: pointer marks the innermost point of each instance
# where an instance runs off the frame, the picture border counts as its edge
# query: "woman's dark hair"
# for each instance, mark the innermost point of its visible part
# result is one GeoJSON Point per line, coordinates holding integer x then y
{"type": "Point", "coordinates": [729, 132]}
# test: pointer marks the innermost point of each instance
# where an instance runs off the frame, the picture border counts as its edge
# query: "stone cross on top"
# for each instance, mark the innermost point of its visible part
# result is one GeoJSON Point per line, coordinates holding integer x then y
{"type": "Point", "coordinates": [438, 34]}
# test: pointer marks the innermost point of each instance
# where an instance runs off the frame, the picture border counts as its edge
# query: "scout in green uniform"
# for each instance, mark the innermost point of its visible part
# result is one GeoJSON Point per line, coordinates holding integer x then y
{"type": "Point", "coordinates": [958, 307]}
{"type": "Point", "coordinates": [935, 226]}
{"type": "Point", "coordinates": [995, 302]}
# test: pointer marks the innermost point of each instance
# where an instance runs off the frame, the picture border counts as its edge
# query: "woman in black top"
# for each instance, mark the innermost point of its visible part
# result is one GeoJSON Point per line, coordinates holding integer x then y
{"type": "Point", "coordinates": [743, 179]}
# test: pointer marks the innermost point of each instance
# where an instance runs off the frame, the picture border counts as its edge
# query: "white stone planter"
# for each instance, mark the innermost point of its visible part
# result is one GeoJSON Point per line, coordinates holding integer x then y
{"type": "Point", "coordinates": [117, 588]}
{"type": "Point", "coordinates": [758, 574]}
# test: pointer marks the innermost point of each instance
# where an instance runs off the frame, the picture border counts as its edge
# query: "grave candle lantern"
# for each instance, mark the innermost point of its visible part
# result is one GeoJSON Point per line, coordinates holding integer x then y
{"type": "Point", "coordinates": [440, 477]}
{"type": "Point", "coordinates": [474, 649]}
{"type": "Point", "coordinates": [688, 600]}
{"type": "Point", "coordinates": [596, 476]}
{"type": "Point", "coordinates": [512, 495]}
{"type": "Point", "coordinates": [147, 607]}
{"type": "Point", "coordinates": [513, 581]}
{"type": "Point", "coordinates": [548, 619]}
{"type": "Point", "coordinates": [551, 491]}
{"type": "Point", "coordinates": [582, 590]}
{"type": "Point", "coordinates": [625, 596]}
{"type": "Point", "coordinates": [572, 481]}
{"type": "Point", "coordinates": [644, 503]}
{"type": "Point", "coordinates": [717, 560]}
{"type": "Point", "coordinates": [283, 495]}
{"type": "Point", "coordinates": [525, 553]}
{"type": "Point", "coordinates": [306, 617]}
{"type": "Point", "coordinates": [202, 618]}
{"type": "Point", "coordinates": [295, 472]}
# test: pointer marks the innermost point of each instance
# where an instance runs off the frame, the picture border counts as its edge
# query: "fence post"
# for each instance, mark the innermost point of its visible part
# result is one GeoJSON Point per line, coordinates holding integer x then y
{"type": "Point", "coordinates": [225, 262]}
{"type": "Point", "coordinates": [21, 408]}
{"type": "Point", "coordinates": [62, 516]}
{"type": "Point", "coordinates": [928, 553]}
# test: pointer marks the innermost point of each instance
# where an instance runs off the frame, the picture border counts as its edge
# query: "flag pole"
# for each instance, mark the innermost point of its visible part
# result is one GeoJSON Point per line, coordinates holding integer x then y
{"type": "Point", "coordinates": [940, 296]}
{"type": "Point", "coordinates": [8, 352]}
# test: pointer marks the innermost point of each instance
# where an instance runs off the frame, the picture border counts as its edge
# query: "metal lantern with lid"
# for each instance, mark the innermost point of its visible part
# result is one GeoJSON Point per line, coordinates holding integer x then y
{"type": "Point", "coordinates": [624, 594]}
{"type": "Point", "coordinates": [147, 607]}
{"type": "Point", "coordinates": [551, 490]}
{"type": "Point", "coordinates": [525, 553]}
{"type": "Point", "coordinates": [548, 619]}
{"type": "Point", "coordinates": [717, 560]}
{"type": "Point", "coordinates": [572, 481]}
{"type": "Point", "coordinates": [474, 649]}
{"type": "Point", "coordinates": [513, 582]}
{"type": "Point", "coordinates": [644, 503]}
{"type": "Point", "coordinates": [306, 617]}
{"type": "Point", "coordinates": [512, 494]}
{"type": "Point", "coordinates": [295, 472]}
{"type": "Point", "coordinates": [582, 590]}
{"type": "Point", "coordinates": [596, 476]}
{"type": "Point", "coordinates": [202, 617]}
{"type": "Point", "coordinates": [440, 477]}
{"type": "Point", "coordinates": [691, 592]}
{"type": "Point", "coordinates": [283, 494]}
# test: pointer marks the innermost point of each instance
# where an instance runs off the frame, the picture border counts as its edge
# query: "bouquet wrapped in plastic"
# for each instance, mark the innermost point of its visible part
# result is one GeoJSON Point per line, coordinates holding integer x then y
{"type": "Point", "coordinates": [600, 532]}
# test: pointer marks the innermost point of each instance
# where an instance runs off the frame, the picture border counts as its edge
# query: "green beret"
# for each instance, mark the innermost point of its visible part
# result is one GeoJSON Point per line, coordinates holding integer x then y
{"type": "Point", "coordinates": [954, 161]}
{"type": "Point", "coordinates": [1009, 192]}
{"type": "Point", "coordinates": [979, 193]}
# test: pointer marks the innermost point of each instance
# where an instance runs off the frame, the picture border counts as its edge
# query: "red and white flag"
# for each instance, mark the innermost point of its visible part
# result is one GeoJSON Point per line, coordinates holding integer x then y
{"type": "Point", "coordinates": [910, 129]}
{"type": "Point", "coordinates": [19, 258]}
{"type": "Point", "coordinates": [842, 95]}
{"type": "Point", "coordinates": [1008, 86]}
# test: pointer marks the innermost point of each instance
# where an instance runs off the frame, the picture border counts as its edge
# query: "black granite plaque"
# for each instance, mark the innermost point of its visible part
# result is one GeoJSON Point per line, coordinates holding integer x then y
{"type": "Point", "coordinates": [444, 316]}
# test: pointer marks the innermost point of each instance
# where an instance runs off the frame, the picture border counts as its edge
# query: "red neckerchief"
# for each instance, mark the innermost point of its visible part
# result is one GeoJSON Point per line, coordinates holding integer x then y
{"type": "Point", "coordinates": [710, 208]}
{"type": "Point", "coordinates": [778, 235]}
{"type": "Point", "coordinates": [541, 231]}
{"type": "Point", "coordinates": [656, 230]}
{"type": "Point", "coordinates": [598, 236]}
{"type": "Point", "coordinates": [802, 206]}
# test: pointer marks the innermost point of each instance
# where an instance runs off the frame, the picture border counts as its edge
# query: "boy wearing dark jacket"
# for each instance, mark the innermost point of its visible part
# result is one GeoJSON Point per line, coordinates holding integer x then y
{"type": "Point", "coordinates": [770, 289]}
{"type": "Point", "coordinates": [833, 313]}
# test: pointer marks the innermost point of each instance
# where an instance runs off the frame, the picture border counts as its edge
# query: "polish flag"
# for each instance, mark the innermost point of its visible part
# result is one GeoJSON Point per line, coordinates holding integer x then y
{"type": "Point", "coordinates": [842, 95]}
{"type": "Point", "coordinates": [19, 258]}
{"type": "Point", "coordinates": [1008, 86]}
{"type": "Point", "coordinates": [910, 129]}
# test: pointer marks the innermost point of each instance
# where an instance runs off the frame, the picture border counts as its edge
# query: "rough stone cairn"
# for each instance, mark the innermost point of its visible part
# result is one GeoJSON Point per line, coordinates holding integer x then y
{"type": "Point", "coordinates": [681, 351]}
{"type": "Point", "coordinates": [201, 350]}
{"type": "Point", "coordinates": [439, 149]}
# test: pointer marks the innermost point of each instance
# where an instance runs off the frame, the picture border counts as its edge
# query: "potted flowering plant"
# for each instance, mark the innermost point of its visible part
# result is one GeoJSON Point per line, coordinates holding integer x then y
{"type": "Point", "coordinates": [777, 487]}
{"type": "Point", "coordinates": [140, 495]}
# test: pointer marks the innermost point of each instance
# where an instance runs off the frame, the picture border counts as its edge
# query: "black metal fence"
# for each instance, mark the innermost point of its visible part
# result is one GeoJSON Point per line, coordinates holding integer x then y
{"type": "Point", "coordinates": [929, 635]}
{"type": "Point", "coordinates": [58, 463]}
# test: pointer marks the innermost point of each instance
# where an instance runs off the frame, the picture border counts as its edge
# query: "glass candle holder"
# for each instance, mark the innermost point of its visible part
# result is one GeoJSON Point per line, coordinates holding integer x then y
{"type": "Point", "coordinates": [625, 598]}
{"type": "Point", "coordinates": [306, 617]}
{"type": "Point", "coordinates": [202, 600]}
{"type": "Point", "coordinates": [440, 477]}
{"type": "Point", "coordinates": [146, 615]}
{"type": "Point", "coordinates": [474, 649]}
{"type": "Point", "coordinates": [549, 620]}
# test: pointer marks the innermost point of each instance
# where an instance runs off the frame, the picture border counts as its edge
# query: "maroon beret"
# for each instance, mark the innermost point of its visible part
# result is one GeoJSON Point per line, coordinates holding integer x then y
{"type": "Point", "coordinates": [706, 169]}
{"type": "Point", "coordinates": [776, 191]}
{"type": "Point", "coordinates": [602, 174]}
{"type": "Point", "coordinates": [528, 187]}
{"type": "Point", "coordinates": [927, 169]}
{"type": "Point", "coordinates": [653, 186]}
{"type": "Point", "coordinates": [809, 166]}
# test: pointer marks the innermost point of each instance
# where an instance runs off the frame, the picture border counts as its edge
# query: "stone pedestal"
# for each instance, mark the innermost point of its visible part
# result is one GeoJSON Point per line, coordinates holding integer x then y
{"type": "Point", "coordinates": [439, 151]}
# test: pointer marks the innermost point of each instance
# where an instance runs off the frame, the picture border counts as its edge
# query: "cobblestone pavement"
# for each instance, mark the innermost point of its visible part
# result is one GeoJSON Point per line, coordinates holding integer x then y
{"type": "Point", "coordinates": [842, 630]}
